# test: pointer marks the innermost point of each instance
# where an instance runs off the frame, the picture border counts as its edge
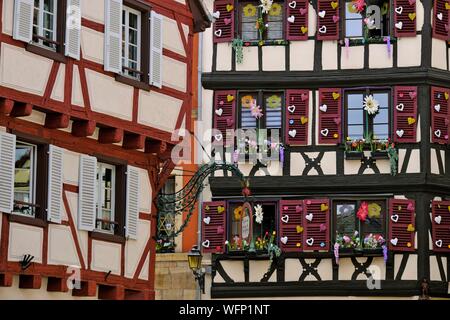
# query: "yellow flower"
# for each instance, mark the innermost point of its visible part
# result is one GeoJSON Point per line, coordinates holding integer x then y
{"type": "Point", "coordinates": [261, 43]}
{"type": "Point", "coordinates": [409, 244]}
{"type": "Point", "coordinates": [247, 101]}
{"type": "Point", "coordinates": [238, 213]}
{"type": "Point", "coordinates": [349, 139]}
{"type": "Point", "coordinates": [273, 102]}
{"type": "Point", "coordinates": [249, 10]}
{"type": "Point", "coordinates": [374, 211]}
{"type": "Point", "coordinates": [275, 10]}
{"type": "Point", "coordinates": [335, 136]}
{"type": "Point", "coordinates": [274, 233]}
{"type": "Point", "coordinates": [299, 245]}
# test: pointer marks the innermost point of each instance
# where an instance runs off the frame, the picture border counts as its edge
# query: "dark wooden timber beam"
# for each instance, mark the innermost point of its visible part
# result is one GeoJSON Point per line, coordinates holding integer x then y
{"type": "Point", "coordinates": [6, 279]}
{"type": "Point", "coordinates": [110, 135]}
{"type": "Point", "coordinates": [87, 289]}
{"type": "Point", "coordinates": [57, 284]}
{"type": "Point", "coordinates": [57, 120]}
{"type": "Point", "coordinates": [30, 281]}
{"type": "Point", "coordinates": [132, 141]}
{"type": "Point", "coordinates": [6, 106]}
{"type": "Point", "coordinates": [155, 147]}
{"type": "Point", "coordinates": [83, 128]}
{"type": "Point", "coordinates": [21, 109]}
{"type": "Point", "coordinates": [107, 292]}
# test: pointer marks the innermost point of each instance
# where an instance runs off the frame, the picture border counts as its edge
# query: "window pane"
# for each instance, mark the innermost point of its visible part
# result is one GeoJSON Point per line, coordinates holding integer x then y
{"type": "Point", "coordinates": [345, 219]}
{"type": "Point", "coordinates": [355, 116]}
{"type": "Point", "coordinates": [133, 22]}
{"type": "Point", "coordinates": [355, 101]}
{"type": "Point", "coordinates": [23, 177]}
{"type": "Point", "coordinates": [356, 132]}
{"type": "Point", "coordinates": [249, 15]}
{"type": "Point", "coordinates": [350, 14]}
{"type": "Point", "coordinates": [48, 21]}
{"type": "Point", "coordinates": [247, 120]}
{"type": "Point", "coordinates": [382, 116]}
{"type": "Point", "coordinates": [133, 37]}
{"type": "Point", "coordinates": [373, 227]}
{"type": "Point", "coordinates": [353, 28]}
{"type": "Point", "coordinates": [275, 20]}
{"type": "Point", "coordinates": [381, 131]}
{"type": "Point", "coordinates": [49, 5]}
{"type": "Point", "coordinates": [382, 98]}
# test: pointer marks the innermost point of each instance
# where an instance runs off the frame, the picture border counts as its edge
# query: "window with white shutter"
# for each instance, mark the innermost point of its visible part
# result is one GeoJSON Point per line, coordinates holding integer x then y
{"type": "Point", "coordinates": [87, 195]}
{"type": "Point", "coordinates": [156, 47]}
{"type": "Point", "coordinates": [73, 29]}
{"type": "Point", "coordinates": [25, 173]}
{"type": "Point", "coordinates": [55, 184]}
{"type": "Point", "coordinates": [132, 203]}
{"type": "Point", "coordinates": [7, 161]}
{"type": "Point", "coordinates": [113, 35]}
{"type": "Point", "coordinates": [23, 20]}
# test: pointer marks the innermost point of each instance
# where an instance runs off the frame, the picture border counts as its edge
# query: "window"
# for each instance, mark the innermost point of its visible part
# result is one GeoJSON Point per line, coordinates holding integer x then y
{"type": "Point", "coordinates": [250, 17]}
{"type": "Point", "coordinates": [106, 176]}
{"type": "Point", "coordinates": [166, 222]}
{"type": "Point", "coordinates": [24, 179]}
{"type": "Point", "coordinates": [131, 43]}
{"type": "Point", "coordinates": [351, 232]}
{"type": "Point", "coordinates": [377, 14]}
{"type": "Point", "coordinates": [362, 125]}
{"type": "Point", "coordinates": [45, 23]}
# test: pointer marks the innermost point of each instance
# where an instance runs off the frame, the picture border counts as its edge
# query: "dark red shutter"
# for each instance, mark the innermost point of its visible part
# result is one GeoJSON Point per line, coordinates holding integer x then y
{"type": "Point", "coordinates": [328, 25]}
{"type": "Point", "coordinates": [297, 30]}
{"type": "Point", "coordinates": [291, 225]}
{"type": "Point", "coordinates": [441, 27]}
{"type": "Point", "coordinates": [441, 226]}
{"type": "Point", "coordinates": [405, 17]}
{"type": "Point", "coordinates": [439, 114]}
{"type": "Point", "coordinates": [224, 114]}
{"type": "Point", "coordinates": [214, 231]}
{"type": "Point", "coordinates": [401, 225]}
{"type": "Point", "coordinates": [297, 117]}
{"type": "Point", "coordinates": [316, 233]}
{"type": "Point", "coordinates": [224, 25]}
{"type": "Point", "coordinates": [405, 114]}
{"type": "Point", "coordinates": [330, 118]}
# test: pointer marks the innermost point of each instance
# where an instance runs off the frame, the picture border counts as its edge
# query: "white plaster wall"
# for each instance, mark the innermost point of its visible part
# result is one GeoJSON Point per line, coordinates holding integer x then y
{"type": "Point", "coordinates": [257, 269]}
{"type": "Point", "coordinates": [409, 53]}
{"type": "Point", "coordinates": [77, 93]}
{"type": "Point", "coordinates": [410, 272]}
{"type": "Point", "coordinates": [224, 54]}
{"type": "Point", "coordinates": [235, 269]}
{"type": "Point", "coordinates": [93, 10]}
{"type": "Point", "coordinates": [72, 199]}
{"type": "Point", "coordinates": [24, 240]}
{"type": "Point", "coordinates": [439, 54]}
{"type": "Point", "coordinates": [71, 160]}
{"type": "Point", "coordinates": [250, 62]}
{"type": "Point", "coordinates": [207, 41]}
{"type": "Point", "coordinates": [36, 117]}
{"type": "Point", "coordinates": [8, 16]}
{"type": "Point", "coordinates": [106, 257]}
{"type": "Point", "coordinates": [274, 58]}
{"type": "Point", "coordinates": [58, 89]}
{"type": "Point", "coordinates": [312, 21]}
{"type": "Point", "coordinates": [146, 192]}
{"type": "Point", "coordinates": [158, 110]}
{"type": "Point", "coordinates": [414, 161]}
{"type": "Point", "coordinates": [171, 37]}
{"type": "Point", "coordinates": [379, 56]}
{"type": "Point", "coordinates": [420, 15]}
{"type": "Point", "coordinates": [351, 166]}
{"type": "Point", "coordinates": [328, 163]}
{"type": "Point", "coordinates": [61, 247]}
{"type": "Point", "coordinates": [346, 268]}
{"type": "Point", "coordinates": [92, 45]}
{"type": "Point", "coordinates": [434, 162]}
{"type": "Point", "coordinates": [352, 57]}
{"type": "Point", "coordinates": [144, 272]}
{"type": "Point", "coordinates": [329, 55]}
{"type": "Point", "coordinates": [175, 74]}
{"type": "Point", "coordinates": [301, 55]}
{"type": "Point", "coordinates": [435, 275]}
{"type": "Point", "coordinates": [135, 248]}
{"type": "Point", "coordinates": [297, 164]}
{"type": "Point", "coordinates": [384, 166]}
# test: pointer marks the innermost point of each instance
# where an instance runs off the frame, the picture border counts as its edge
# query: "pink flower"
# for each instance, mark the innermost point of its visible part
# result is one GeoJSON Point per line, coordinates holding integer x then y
{"type": "Point", "coordinates": [257, 112]}
{"type": "Point", "coordinates": [359, 5]}
{"type": "Point", "coordinates": [363, 211]}
{"type": "Point", "coordinates": [346, 239]}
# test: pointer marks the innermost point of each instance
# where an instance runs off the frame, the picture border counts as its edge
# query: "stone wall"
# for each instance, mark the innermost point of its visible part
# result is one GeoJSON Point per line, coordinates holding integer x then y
{"type": "Point", "coordinates": [173, 278]}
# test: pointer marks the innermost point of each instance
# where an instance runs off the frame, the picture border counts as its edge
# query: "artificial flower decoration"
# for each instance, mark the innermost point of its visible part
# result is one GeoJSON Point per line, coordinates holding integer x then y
{"type": "Point", "coordinates": [247, 102]}
{"type": "Point", "coordinates": [374, 211]}
{"type": "Point", "coordinates": [370, 105]}
{"type": "Point", "coordinates": [359, 5]}
{"type": "Point", "coordinates": [275, 10]}
{"type": "Point", "coordinates": [249, 10]}
{"type": "Point", "coordinates": [273, 102]}
{"type": "Point", "coordinates": [266, 5]}
{"type": "Point", "coordinates": [238, 213]}
{"type": "Point", "coordinates": [363, 211]}
{"type": "Point", "coordinates": [257, 112]}
{"type": "Point", "coordinates": [259, 214]}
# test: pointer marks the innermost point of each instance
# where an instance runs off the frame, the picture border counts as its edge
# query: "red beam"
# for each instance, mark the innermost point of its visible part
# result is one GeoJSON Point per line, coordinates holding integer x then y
{"type": "Point", "coordinates": [83, 128]}
{"type": "Point", "coordinates": [21, 109]}
{"type": "Point", "coordinates": [6, 106]}
{"type": "Point", "coordinates": [6, 280]}
{"type": "Point", "coordinates": [133, 141]}
{"type": "Point", "coordinates": [111, 292]}
{"type": "Point", "coordinates": [57, 284]}
{"type": "Point", "coordinates": [110, 135]}
{"type": "Point", "coordinates": [30, 281]}
{"type": "Point", "coordinates": [88, 289]}
{"type": "Point", "coordinates": [57, 121]}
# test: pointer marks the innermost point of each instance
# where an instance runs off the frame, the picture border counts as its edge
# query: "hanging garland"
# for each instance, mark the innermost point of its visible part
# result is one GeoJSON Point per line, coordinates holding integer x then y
{"type": "Point", "coordinates": [237, 45]}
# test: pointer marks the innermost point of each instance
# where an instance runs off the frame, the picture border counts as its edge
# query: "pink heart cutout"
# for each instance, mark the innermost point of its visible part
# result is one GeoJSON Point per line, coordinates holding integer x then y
{"type": "Point", "coordinates": [400, 94]}
{"type": "Point", "coordinates": [298, 209]}
{"type": "Point", "coordinates": [304, 97]}
{"type": "Point", "coordinates": [286, 208]}
{"type": "Point", "coordinates": [337, 120]}
{"type": "Point", "coordinates": [323, 227]}
{"type": "Point", "coordinates": [308, 201]}
{"type": "Point", "coordinates": [221, 103]}
{"type": "Point", "coordinates": [411, 2]}
{"type": "Point", "coordinates": [227, 21]}
{"type": "Point", "coordinates": [336, 19]}
{"type": "Point", "coordinates": [446, 27]}
{"type": "Point", "coordinates": [412, 95]}
{"type": "Point", "coordinates": [302, 11]}
{"type": "Point", "coordinates": [446, 137]}
{"type": "Point", "coordinates": [410, 207]}
{"type": "Point", "coordinates": [230, 122]}
{"type": "Point", "coordinates": [220, 230]}
{"type": "Point", "coordinates": [447, 121]}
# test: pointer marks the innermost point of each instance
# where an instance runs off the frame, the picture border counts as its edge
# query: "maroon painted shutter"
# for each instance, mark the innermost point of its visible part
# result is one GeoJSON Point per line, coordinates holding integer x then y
{"type": "Point", "coordinates": [330, 106]}
{"type": "Point", "coordinates": [316, 224]}
{"type": "Point", "coordinates": [214, 218]}
{"type": "Point", "coordinates": [439, 114]}
{"type": "Point", "coordinates": [441, 19]}
{"type": "Point", "coordinates": [441, 226]}
{"type": "Point", "coordinates": [298, 28]}
{"type": "Point", "coordinates": [297, 113]}
{"type": "Point", "coordinates": [224, 25]}
{"type": "Point", "coordinates": [224, 114]}
{"type": "Point", "coordinates": [328, 20]}
{"type": "Point", "coordinates": [405, 18]}
{"type": "Point", "coordinates": [401, 225]}
{"type": "Point", "coordinates": [405, 114]}
{"type": "Point", "coordinates": [291, 225]}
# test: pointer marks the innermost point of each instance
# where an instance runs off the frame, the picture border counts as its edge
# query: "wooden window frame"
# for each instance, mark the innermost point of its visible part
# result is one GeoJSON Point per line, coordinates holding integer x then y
{"type": "Point", "coordinates": [100, 189]}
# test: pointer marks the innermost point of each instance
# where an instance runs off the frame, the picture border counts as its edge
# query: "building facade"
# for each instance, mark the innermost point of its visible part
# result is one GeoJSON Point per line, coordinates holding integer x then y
{"type": "Point", "coordinates": [90, 95]}
{"type": "Point", "coordinates": [342, 112]}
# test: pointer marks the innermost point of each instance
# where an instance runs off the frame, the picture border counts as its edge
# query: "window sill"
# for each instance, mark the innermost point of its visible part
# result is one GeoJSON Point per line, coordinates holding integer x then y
{"type": "Point", "coordinates": [261, 43]}
{"type": "Point", "coordinates": [47, 53]}
{"type": "Point", "coordinates": [132, 82]}
{"type": "Point", "coordinates": [350, 252]}
{"type": "Point", "coordinates": [354, 155]}
{"type": "Point", "coordinates": [35, 222]}
{"type": "Point", "coordinates": [96, 235]}
{"type": "Point", "coordinates": [361, 42]}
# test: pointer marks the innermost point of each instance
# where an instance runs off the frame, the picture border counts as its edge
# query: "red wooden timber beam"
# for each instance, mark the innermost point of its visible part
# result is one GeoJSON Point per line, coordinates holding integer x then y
{"type": "Point", "coordinates": [21, 109]}
{"type": "Point", "coordinates": [6, 106]}
{"type": "Point", "coordinates": [6, 279]}
{"type": "Point", "coordinates": [55, 284]}
{"type": "Point", "coordinates": [108, 292]}
{"type": "Point", "coordinates": [137, 295]}
{"type": "Point", "coordinates": [133, 141]}
{"type": "Point", "coordinates": [87, 289]}
{"type": "Point", "coordinates": [57, 121]}
{"type": "Point", "coordinates": [30, 281]}
{"type": "Point", "coordinates": [155, 147]}
{"type": "Point", "coordinates": [83, 128]}
{"type": "Point", "coordinates": [110, 135]}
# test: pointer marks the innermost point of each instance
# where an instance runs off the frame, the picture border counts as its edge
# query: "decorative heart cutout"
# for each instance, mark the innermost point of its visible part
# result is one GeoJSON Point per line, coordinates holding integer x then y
{"type": "Point", "coordinates": [411, 120]}
{"type": "Point", "coordinates": [219, 112]}
{"type": "Point", "coordinates": [412, 16]}
{"type": "Point", "coordinates": [399, 10]}
{"type": "Point", "coordinates": [447, 121]}
{"type": "Point", "coordinates": [437, 133]}
{"type": "Point", "coordinates": [293, 133]}
{"type": "Point", "coordinates": [220, 230]}
{"type": "Point", "coordinates": [207, 220]}
{"type": "Point", "coordinates": [221, 102]}
{"type": "Point", "coordinates": [410, 228]}
{"type": "Point", "coordinates": [412, 95]}
{"type": "Point", "coordinates": [308, 202]}
{"type": "Point", "coordinates": [336, 95]}
{"type": "Point", "coordinates": [401, 94]}
{"type": "Point", "coordinates": [207, 208]}
{"type": "Point", "coordinates": [216, 15]}
{"type": "Point", "coordinates": [299, 229]}
{"type": "Point", "coordinates": [411, 2]}
{"type": "Point", "coordinates": [230, 7]}
{"type": "Point", "coordinates": [437, 107]}
{"type": "Point", "coordinates": [439, 243]}
{"type": "Point", "coordinates": [285, 208]}
{"type": "Point", "coordinates": [291, 122]}
{"type": "Point", "coordinates": [227, 21]}
{"type": "Point", "coordinates": [298, 209]}
{"type": "Point", "coordinates": [218, 33]}
{"type": "Point", "coordinates": [291, 19]}
{"type": "Point", "coordinates": [324, 132]}
{"type": "Point", "coordinates": [400, 107]}
{"type": "Point", "coordinates": [394, 241]}
{"type": "Point", "coordinates": [440, 16]}
{"type": "Point", "coordinates": [399, 208]}
{"type": "Point", "coordinates": [304, 120]}
{"type": "Point", "coordinates": [446, 27]}
{"type": "Point", "coordinates": [323, 108]}
{"type": "Point", "coordinates": [305, 97]}
{"type": "Point", "coordinates": [218, 137]}
{"type": "Point", "coordinates": [323, 227]}
{"type": "Point", "coordinates": [292, 4]}
{"type": "Point", "coordinates": [394, 217]}
{"type": "Point", "coordinates": [220, 209]}
{"type": "Point", "coordinates": [446, 95]}
{"type": "Point", "coordinates": [285, 218]}
{"type": "Point", "coordinates": [400, 133]}
{"type": "Point", "coordinates": [304, 29]}
{"type": "Point", "coordinates": [337, 121]}
{"type": "Point", "coordinates": [447, 6]}
{"type": "Point", "coordinates": [230, 98]}
{"type": "Point", "coordinates": [438, 219]}
{"type": "Point", "coordinates": [291, 109]}
{"type": "Point", "coordinates": [303, 11]}
{"type": "Point", "coordinates": [336, 19]}
{"type": "Point", "coordinates": [205, 244]}
{"type": "Point", "coordinates": [323, 29]}
{"type": "Point", "coordinates": [310, 241]}
{"type": "Point", "coordinates": [230, 122]}
{"type": "Point", "coordinates": [410, 207]}
{"type": "Point", "coordinates": [284, 240]}
{"type": "Point", "coordinates": [323, 207]}
{"type": "Point", "coordinates": [322, 13]}
{"type": "Point", "coordinates": [334, 4]}
{"type": "Point", "coordinates": [309, 217]}
{"type": "Point", "coordinates": [399, 25]}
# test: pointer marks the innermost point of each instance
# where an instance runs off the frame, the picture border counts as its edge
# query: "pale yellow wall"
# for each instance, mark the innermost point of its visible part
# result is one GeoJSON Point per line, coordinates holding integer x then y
{"type": "Point", "coordinates": [379, 56]}
{"type": "Point", "coordinates": [224, 53]}
{"type": "Point", "coordinates": [301, 55]}
{"type": "Point", "coordinates": [158, 110]}
{"type": "Point", "coordinates": [61, 248]}
{"type": "Point", "coordinates": [438, 54]}
{"type": "Point", "coordinates": [270, 63]}
{"type": "Point", "coordinates": [58, 89]}
{"type": "Point", "coordinates": [250, 61]}
{"type": "Point", "coordinates": [175, 74]}
{"type": "Point", "coordinates": [171, 37]}
{"type": "Point", "coordinates": [93, 10]}
{"type": "Point", "coordinates": [352, 57]}
{"type": "Point", "coordinates": [8, 16]}
{"type": "Point", "coordinates": [329, 55]}
{"type": "Point", "coordinates": [24, 240]}
{"type": "Point", "coordinates": [135, 249]}
{"type": "Point", "coordinates": [90, 40]}
{"type": "Point", "coordinates": [405, 47]}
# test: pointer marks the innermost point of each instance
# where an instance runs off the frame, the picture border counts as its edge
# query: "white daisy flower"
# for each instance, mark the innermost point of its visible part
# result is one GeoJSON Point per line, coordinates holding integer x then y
{"type": "Point", "coordinates": [266, 5]}
{"type": "Point", "coordinates": [259, 214]}
{"type": "Point", "coordinates": [370, 105]}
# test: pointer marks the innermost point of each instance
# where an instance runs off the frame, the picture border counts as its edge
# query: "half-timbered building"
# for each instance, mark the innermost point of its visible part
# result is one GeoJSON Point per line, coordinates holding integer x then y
{"type": "Point", "coordinates": [350, 180]}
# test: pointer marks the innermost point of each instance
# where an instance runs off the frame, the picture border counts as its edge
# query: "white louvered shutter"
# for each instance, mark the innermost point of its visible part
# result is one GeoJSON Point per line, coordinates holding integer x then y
{"type": "Point", "coordinates": [113, 35]}
{"type": "Point", "coordinates": [23, 20]}
{"type": "Point", "coordinates": [87, 196]}
{"type": "Point", "coordinates": [132, 212]}
{"type": "Point", "coordinates": [156, 49]}
{"type": "Point", "coordinates": [73, 29]}
{"type": "Point", "coordinates": [7, 163]}
{"type": "Point", "coordinates": [55, 184]}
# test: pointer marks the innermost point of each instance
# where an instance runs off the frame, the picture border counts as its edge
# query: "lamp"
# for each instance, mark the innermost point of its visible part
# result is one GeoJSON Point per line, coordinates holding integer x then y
{"type": "Point", "coordinates": [195, 264]}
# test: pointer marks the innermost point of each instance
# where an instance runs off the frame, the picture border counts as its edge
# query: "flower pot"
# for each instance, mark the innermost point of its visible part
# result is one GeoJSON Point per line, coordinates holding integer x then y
{"type": "Point", "coordinates": [379, 154]}
{"type": "Point", "coordinates": [353, 155]}
{"type": "Point", "coordinates": [345, 251]}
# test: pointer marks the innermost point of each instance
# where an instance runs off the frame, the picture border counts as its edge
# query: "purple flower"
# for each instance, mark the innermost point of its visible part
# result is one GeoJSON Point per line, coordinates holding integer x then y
{"type": "Point", "coordinates": [385, 253]}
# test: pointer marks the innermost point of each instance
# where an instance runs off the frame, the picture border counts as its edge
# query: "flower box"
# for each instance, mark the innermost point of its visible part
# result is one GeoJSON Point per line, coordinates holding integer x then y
{"type": "Point", "coordinates": [379, 154]}
{"type": "Point", "coordinates": [354, 155]}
